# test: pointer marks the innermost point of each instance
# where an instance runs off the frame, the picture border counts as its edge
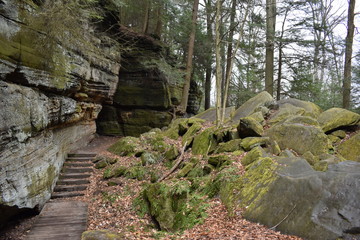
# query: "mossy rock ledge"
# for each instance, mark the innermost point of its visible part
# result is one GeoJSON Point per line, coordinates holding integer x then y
{"type": "Point", "coordinates": [289, 194]}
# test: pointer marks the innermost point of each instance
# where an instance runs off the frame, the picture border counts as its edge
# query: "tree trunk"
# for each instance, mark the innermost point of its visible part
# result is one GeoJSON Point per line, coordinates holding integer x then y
{"type": "Point", "coordinates": [218, 63]}
{"type": "Point", "coordinates": [278, 88]}
{"type": "Point", "coordinates": [270, 35]}
{"type": "Point", "coordinates": [158, 28]}
{"type": "Point", "coordinates": [185, 96]}
{"type": "Point", "coordinates": [208, 87]}
{"type": "Point", "coordinates": [229, 53]}
{"type": "Point", "coordinates": [209, 59]}
{"type": "Point", "coordinates": [348, 56]}
{"type": "Point", "coordinates": [230, 63]}
{"type": "Point", "coordinates": [146, 18]}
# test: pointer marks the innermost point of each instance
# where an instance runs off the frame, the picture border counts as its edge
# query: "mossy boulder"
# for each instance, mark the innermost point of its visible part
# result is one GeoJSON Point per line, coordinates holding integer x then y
{"type": "Point", "coordinates": [136, 172]}
{"type": "Point", "coordinates": [219, 160]}
{"type": "Point", "coordinates": [172, 153]}
{"type": "Point", "coordinates": [310, 158]}
{"type": "Point", "coordinates": [334, 118]}
{"type": "Point", "coordinates": [230, 146]}
{"type": "Point", "coordinates": [190, 134]}
{"type": "Point", "coordinates": [185, 169]}
{"type": "Point", "coordinates": [305, 120]}
{"type": "Point", "coordinates": [174, 205]}
{"type": "Point", "coordinates": [309, 200]}
{"type": "Point", "coordinates": [311, 109]}
{"type": "Point", "coordinates": [301, 138]}
{"type": "Point", "coordinates": [258, 116]}
{"type": "Point", "coordinates": [252, 156]}
{"type": "Point", "coordinates": [204, 142]}
{"type": "Point", "coordinates": [251, 105]}
{"type": "Point", "coordinates": [339, 133]}
{"type": "Point", "coordinates": [126, 146]}
{"type": "Point", "coordinates": [250, 142]}
{"type": "Point", "coordinates": [101, 235]}
{"type": "Point", "coordinates": [350, 149]}
{"type": "Point", "coordinates": [285, 111]}
{"type": "Point", "coordinates": [114, 171]}
{"type": "Point", "coordinates": [173, 129]}
{"type": "Point", "coordinates": [210, 114]}
{"type": "Point", "coordinates": [249, 127]}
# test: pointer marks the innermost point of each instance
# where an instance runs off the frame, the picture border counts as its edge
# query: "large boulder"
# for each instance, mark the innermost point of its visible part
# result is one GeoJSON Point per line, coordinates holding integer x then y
{"type": "Point", "coordinates": [174, 205]}
{"type": "Point", "coordinates": [299, 137]}
{"type": "Point", "coordinates": [251, 105]}
{"type": "Point", "coordinates": [311, 109]}
{"type": "Point", "coordinates": [287, 194]}
{"type": "Point", "coordinates": [350, 149]}
{"type": "Point", "coordinates": [285, 111]}
{"type": "Point", "coordinates": [336, 118]}
{"type": "Point", "coordinates": [249, 127]}
{"type": "Point", "coordinates": [210, 114]}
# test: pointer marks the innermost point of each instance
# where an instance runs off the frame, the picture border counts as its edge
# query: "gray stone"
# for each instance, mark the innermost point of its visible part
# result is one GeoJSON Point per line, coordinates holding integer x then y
{"type": "Point", "coordinates": [251, 105]}
{"type": "Point", "coordinates": [293, 198]}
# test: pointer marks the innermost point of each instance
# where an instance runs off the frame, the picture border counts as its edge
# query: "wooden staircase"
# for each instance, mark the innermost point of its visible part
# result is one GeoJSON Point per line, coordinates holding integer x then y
{"type": "Point", "coordinates": [75, 176]}
{"type": "Point", "coordinates": [62, 219]}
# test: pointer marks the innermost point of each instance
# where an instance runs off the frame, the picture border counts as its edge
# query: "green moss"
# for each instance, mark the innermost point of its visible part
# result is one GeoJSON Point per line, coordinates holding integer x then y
{"type": "Point", "coordinates": [126, 146]}
{"type": "Point", "coordinates": [253, 156]}
{"type": "Point", "coordinates": [219, 160]}
{"type": "Point", "coordinates": [172, 153]}
{"type": "Point", "coordinates": [101, 234]}
{"type": "Point", "coordinates": [114, 171]}
{"type": "Point", "coordinates": [173, 204]}
{"type": "Point", "coordinates": [249, 127]}
{"type": "Point", "coordinates": [190, 134]}
{"type": "Point", "coordinates": [204, 142]}
{"type": "Point", "coordinates": [350, 149]}
{"type": "Point", "coordinates": [254, 184]}
{"type": "Point", "coordinates": [250, 142]}
{"type": "Point", "coordinates": [337, 117]}
{"type": "Point", "coordinates": [185, 170]}
{"type": "Point", "coordinates": [136, 172]}
{"type": "Point", "coordinates": [230, 146]}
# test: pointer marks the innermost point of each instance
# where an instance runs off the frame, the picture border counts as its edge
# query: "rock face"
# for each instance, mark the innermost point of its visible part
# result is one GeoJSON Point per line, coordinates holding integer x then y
{"type": "Point", "coordinates": [317, 205]}
{"type": "Point", "coordinates": [149, 89]}
{"type": "Point", "coordinates": [49, 100]}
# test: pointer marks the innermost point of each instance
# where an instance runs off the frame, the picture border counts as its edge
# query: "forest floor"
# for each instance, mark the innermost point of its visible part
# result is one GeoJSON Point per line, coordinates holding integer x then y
{"type": "Point", "coordinates": [111, 208]}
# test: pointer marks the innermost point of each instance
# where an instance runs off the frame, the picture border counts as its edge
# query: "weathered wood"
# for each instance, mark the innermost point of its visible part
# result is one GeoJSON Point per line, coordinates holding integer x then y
{"type": "Point", "coordinates": [60, 221]}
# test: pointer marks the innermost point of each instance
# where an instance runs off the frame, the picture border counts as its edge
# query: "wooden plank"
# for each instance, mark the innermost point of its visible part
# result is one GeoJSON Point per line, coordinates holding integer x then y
{"type": "Point", "coordinates": [65, 220]}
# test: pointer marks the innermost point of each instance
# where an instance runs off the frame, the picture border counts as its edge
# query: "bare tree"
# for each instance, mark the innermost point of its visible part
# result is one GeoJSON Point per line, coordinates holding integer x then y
{"type": "Point", "coordinates": [218, 62]}
{"type": "Point", "coordinates": [348, 55]}
{"type": "Point", "coordinates": [270, 35]}
{"type": "Point", "coordinates": [185, 96]}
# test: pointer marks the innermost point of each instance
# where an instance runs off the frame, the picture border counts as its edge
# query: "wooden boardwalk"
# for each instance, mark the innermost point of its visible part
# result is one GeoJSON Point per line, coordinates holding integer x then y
{"type": "Point", "coordinates": [58, 220]}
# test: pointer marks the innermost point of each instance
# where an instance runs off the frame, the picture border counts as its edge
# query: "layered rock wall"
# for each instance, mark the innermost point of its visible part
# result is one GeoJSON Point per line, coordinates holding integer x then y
{"type": "Point", "coordinates": [50, 97]}
{"type": "Point", "coordinates": [149, 88]}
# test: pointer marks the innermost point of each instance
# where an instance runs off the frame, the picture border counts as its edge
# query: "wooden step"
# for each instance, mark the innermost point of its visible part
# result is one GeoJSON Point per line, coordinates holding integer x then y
{"type": "Point", "coordinates": [56, 195]}
{"type": "Point", "coordinates": [78, 164]}
{"type": "Point", "coordinates": [89, 155]}
{"type": "Point", "coordinates": [76, 170]}
{"type": "Point", "coordinates": [79, 159]}
{"type": "Point", "coordinates": [72, 181]}
{"type": "Point", "coordinates": [74, 175]}
{"type": "Point", "coordinates": [60, 221]}
{"type": "Point", "coordinates": [69, 188]}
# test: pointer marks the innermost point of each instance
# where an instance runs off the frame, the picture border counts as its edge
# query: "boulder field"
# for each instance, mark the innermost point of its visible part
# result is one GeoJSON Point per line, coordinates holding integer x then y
{"type": "Point", "coordinates": [285, 164]}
